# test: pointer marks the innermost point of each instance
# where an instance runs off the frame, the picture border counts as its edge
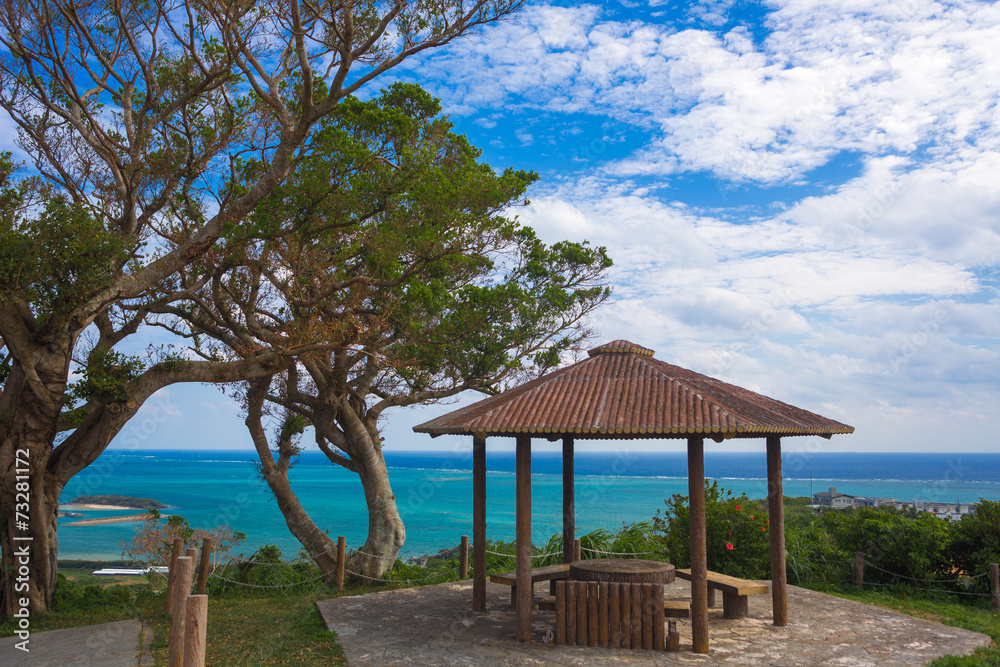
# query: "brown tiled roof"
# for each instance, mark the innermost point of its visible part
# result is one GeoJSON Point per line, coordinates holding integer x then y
{"type": "Point", "coordinates": [621, 391]}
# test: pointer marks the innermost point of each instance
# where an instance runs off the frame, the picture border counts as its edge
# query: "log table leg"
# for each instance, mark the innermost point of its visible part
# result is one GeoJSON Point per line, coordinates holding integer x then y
{"type": "Point", "coordinates": [735, 606]}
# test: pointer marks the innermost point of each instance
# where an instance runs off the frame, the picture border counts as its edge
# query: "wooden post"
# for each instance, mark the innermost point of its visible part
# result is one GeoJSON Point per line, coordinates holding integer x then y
{"type": "Point", "coordinates": [463, 558]}
{"type": "Point", "coordinates": [673, 637]}
{"type": "Point", "coordinates": [175, 553]}
{"type": "Point", "coordinates": [560, 612]}
{"type": "Point", "coordinates": [636, 615]}
{"type": "Point", "coordinates": [523, 538]}
{"type": "Point", "coordinates": [571, 613]}
{"type": "Point", "coordinates": [615, 614]}
{"type": "Point", "coordinates": [479, 524]}
{"type": "Point", "coordinates": [182, 585]}
{"type": "Point", "coordinates": [859, 568]}
{"type": "Point", "coordinates": [699, 553]}
{"type": "Point", "coordinates": [625, 592]}
{"type": "Point", "coordinates": [569, 507]}
{"type": "Point", "coordinates": [205, 565]}
{"type": "Point", "coordinates": [995, 586]}
{"type": "Point", "coordinates": [581, 612]}
{"type": "Point", "coordinates": [195, 630]}
{"type": "Point", "coordinates": [593, 627]}
{"type": "Point", "coordinates": [647, 615]}
{"type": "Point", "coordinates": [659, 638]}
{"type": "Point", "coordinates": [603, 626]}
{"type": "Point", "coordinates": [341, 561]}
{"type": "Point", "coordinates": [577, 550]}
{"type": "Point", "coordinates": [776, 512]}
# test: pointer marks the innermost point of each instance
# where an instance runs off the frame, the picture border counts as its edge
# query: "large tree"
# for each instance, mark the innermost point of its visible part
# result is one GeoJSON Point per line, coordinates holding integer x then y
{"type": "Point", "coordinates": [133, 115]}
{"type": "Point", "coordinates": [389, 251]}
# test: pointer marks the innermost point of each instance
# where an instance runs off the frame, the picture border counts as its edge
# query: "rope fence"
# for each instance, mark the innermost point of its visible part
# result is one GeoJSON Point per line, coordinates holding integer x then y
{"type": "Point", "coordinates": [340, 555]}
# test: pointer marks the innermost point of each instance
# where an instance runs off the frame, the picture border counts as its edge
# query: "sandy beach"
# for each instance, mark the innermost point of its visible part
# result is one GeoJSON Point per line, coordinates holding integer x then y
{"type": "Point", "coordinates": [89, 506]}
{"type": "Point", "coordinates": [104, 520]}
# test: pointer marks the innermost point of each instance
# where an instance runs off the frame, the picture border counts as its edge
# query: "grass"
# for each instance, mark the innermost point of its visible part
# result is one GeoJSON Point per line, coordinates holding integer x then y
{"type": "Point", "coordinates": [257, 628]}
{"type": "Point", "coordinates": [246, 627]}
{"type": "Point", "coordinates": [942, 608]}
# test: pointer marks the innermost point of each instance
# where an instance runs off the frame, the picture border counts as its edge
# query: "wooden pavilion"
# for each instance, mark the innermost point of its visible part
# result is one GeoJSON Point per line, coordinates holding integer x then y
{"type": "Point", "coordinates": [622, 392]}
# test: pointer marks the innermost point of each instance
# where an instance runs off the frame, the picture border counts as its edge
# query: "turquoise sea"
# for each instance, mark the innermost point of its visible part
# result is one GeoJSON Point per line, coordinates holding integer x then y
{"type": "Point", "coordinates": [434, 490]}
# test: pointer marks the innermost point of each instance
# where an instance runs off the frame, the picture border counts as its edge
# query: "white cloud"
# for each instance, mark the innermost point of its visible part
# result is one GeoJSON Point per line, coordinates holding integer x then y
{"type": "Point", "coordinates": [881, 78]}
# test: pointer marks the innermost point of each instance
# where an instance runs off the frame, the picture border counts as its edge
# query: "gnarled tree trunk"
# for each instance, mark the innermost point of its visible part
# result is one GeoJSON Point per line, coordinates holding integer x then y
{"type": "Point", "coordinates": [29, 493]}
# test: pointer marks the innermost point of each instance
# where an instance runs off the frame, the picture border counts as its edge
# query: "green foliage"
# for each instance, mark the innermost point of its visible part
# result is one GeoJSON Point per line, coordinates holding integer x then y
{"type": "Point", "coordinates": [106, 377]}
{"type": "Point", "coordinates": [737, 540]}
{"type": "Point", "coordinates": [54, 253]}
{"type": "Point", "coordinates": [975, 540]}
{"type": "Point", "coordinates": [912, 546]}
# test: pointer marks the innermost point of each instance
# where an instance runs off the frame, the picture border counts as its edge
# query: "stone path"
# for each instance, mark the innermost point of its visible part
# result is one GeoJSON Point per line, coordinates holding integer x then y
{"type": "Point", "coordinates": [118, 644]}
{"type": "Point", "coordinates": [434, 625]}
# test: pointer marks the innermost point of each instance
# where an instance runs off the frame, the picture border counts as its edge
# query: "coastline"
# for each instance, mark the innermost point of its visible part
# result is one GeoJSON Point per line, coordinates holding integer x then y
{"type": "Point", "coordinates": [91, 506]}
{"type": "Point", "coordinates": [103, 520]}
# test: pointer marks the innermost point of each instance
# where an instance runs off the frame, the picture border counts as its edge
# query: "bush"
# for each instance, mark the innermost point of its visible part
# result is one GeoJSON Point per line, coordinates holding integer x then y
{"type": "Point", "coordinates": [913, 545]}
{"type": "Point", "coordinates": [737, 540]}
{"type": "Point", "coordinates": [975, 542]}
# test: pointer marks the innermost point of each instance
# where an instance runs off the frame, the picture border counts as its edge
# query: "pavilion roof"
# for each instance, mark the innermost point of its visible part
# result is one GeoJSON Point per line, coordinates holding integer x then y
{"type": "Point", "coordinates": [621, 391]}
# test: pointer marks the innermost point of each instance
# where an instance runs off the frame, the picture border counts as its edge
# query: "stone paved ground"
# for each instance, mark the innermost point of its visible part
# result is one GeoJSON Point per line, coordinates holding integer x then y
{"type": "Point", "coordinates": [118, 644]}
{"type": "Point", "coordinates": [434, 625]}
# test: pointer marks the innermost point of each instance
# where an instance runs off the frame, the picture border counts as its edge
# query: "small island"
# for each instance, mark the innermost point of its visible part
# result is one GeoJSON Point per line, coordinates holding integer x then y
{"type": "Point", "coordinates": [117, 503]}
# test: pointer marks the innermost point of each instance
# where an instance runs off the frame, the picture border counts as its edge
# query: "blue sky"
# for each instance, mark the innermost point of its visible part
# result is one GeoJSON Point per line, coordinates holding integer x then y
{"type": "Point", "coordinates": [800, 196]}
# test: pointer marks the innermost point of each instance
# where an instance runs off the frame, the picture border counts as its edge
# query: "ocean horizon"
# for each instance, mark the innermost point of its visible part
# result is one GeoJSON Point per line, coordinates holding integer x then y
{"type": "Point", "coordinates": [434, 490]}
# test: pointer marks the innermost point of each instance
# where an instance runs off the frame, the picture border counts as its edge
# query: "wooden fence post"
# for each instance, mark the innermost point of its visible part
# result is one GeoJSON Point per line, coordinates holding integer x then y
{"type": "Point", "coordinates": [463, 558]}
{"type": "Point", "coordinates": [206, 562]}
{"type": "Point", "coordinates": [341, 561]}
{"type": "Point", "coordinates": [175, 553]}
{"type": "Point", "coordinates": [182, 586]}
{"type": "Point", "coordinates": [859, 568]}
{"type": "Point", "coordinates": [995, 585]}
{"type": "Point", "coordinates": [195, 630]}
{"type": "Point", "coordinates": [577, 550]}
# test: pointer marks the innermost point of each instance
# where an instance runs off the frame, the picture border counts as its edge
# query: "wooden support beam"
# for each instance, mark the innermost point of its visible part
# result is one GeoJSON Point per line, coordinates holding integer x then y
{"type": "Point", "coordinates": [561, 613]}
{"type": "Point", "coordinates": [182, 587]}
{"type": "Point", "coordinates": [175, 552]}
{"type": "Point", "coordinates": [776, 512]}
{"type": "Point", "coordinates": [699, 553]}
{"type": "Point", "coordinates": [341, 561]}
{"type": "Point", "coordinates": [205, 565]}
{"type": "Point", "coordinates": [195, 630]}
{"type": "Point", "coordinates": [523, 538]}
{"type": "Point", "coordinates": [463, 557]}
{"type": "Point", "coordinates": [479, 524]}
{"type": "Point", "coordinates": [582, 627]}
{"type": "Point", "coordinates": [569, 507]}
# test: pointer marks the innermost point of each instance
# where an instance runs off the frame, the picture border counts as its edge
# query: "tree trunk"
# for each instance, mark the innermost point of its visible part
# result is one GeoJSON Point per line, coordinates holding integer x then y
{"type": "Point", "coordinates": [29, 493]}
{"type": "Point", "coordinates": [386, 533]}
{"type": "Point", "coordinates": [318, 544]}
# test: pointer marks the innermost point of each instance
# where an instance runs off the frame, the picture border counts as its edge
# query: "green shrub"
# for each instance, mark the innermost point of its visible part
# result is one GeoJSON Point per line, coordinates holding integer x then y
{"type": "Point", "coordinates": [737, 535]}
{"type": "Point", "coordinates": [914, 545]}
{"type": "Point", "coordinates": [975, 542]}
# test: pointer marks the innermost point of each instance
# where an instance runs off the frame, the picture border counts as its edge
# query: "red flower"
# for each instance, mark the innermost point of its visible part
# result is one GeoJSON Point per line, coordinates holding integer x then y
{"type": "Point", "coordinates": [730, 533]}
{"type": "Point", "coordinates": [729, 545]}
{"type": "Point", "coordinates": [763, 528]}
{"type": "Point", "coordinates": [751, 517]}
{"type": "Point", "coordinates": [739, 508]}
{"type": "Point", "coordinates": [767, 521]}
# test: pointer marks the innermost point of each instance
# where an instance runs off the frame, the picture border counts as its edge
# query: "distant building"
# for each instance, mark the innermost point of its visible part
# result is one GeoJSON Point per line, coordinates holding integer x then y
{"type": "Point", "coordinates": [950, 511]}
{"type": "Point", "coordinates": [833, 500]}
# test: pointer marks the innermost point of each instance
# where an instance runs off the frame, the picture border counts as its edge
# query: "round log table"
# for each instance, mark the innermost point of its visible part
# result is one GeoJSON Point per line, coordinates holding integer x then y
{"type": "Point", "coordinates": [624, 571]}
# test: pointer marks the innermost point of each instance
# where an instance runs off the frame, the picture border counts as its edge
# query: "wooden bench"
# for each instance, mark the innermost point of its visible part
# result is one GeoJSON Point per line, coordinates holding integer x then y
{"type": "Point", "coordinates": [735, 592]}
{"type": "Point", "coordinates": [550, 573]}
